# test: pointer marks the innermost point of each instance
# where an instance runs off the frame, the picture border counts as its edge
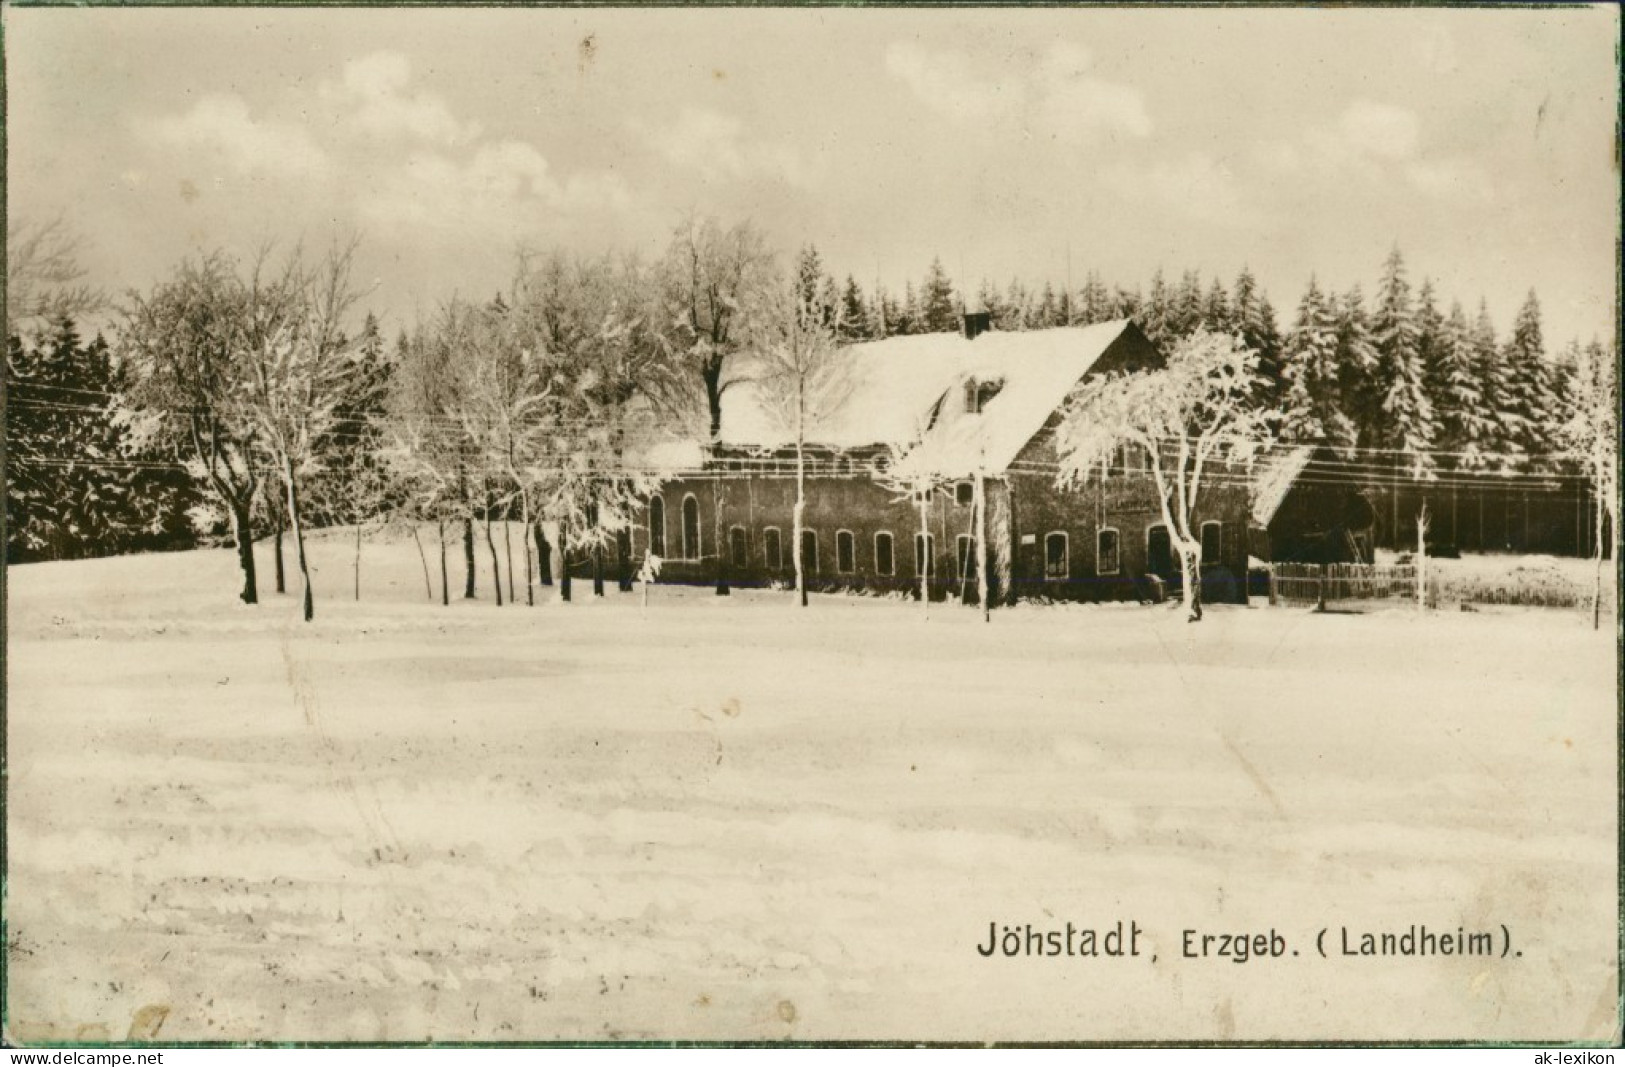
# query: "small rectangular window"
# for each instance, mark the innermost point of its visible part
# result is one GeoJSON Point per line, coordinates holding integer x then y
{"type": "Point", "coordinates": [964, 494]}
{"type": "Point", "coordinates": [1107, 559]}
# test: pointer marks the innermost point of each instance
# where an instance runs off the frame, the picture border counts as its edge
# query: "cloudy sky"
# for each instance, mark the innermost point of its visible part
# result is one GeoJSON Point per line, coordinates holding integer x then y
{"type": "Point", "coordinates": [1483, 142]}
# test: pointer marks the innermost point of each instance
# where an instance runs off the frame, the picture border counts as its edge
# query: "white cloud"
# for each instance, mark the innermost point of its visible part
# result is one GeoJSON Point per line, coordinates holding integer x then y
{"type": "Point", "coordinates": [714, 145]}
{"type": "Point", "coordinates": [1454, 179]}
{"type": "Point", "coordinates": [1057, 97]}
{"type": "Point", "coordinates": [1377, 143]}
{"type": "Point", "coordinates": [220, 126]}
{"type": "Point", "coordinates": [503, 189]}
{"type": "Point", "coordinates": [1197, 185]}
{"type": "Point", "coordinates": [1378, 130]}
{"type": "Point", "coordinates": [371, 97]}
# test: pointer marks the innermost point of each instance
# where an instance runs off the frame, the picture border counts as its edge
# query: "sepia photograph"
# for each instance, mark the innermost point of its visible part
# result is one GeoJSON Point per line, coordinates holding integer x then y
{"type": "Point", "coordinates": [1072, 525]}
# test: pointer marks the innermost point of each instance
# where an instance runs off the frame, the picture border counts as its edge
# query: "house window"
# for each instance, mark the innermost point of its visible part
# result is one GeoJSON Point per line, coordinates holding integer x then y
{"type": "Point", "coordinates": [1159, 551]}
{"type": "Point", "coordinates": [964, 494]}
{"type": "Point", "coordinates": [925, 552]}
{"type": "Point", "coordinates": [846, 552]}
{"type": "Point", "coordinates": [809, 551]}
{"type": "Point", "coordinates": [1135, 458]}
{"type": "Point", "coordinates": [738, 548]}
{"type": "Point", "coordinates": [657, 526]}
{"type": "Point", "coordinates": [967, 557]}
{"type": "Point", "coordinates": [1056, 562]}
{"type": "Point", "coordinates": [1107, 557]}
{"type": "Point", "coordinates": [883, 555]}
{"type": "Point", "coordinates": [772, 550]}
{"type": "Point", "coordinates": [691, 527]}
{"type": "Point", "coordinates": [970, 397]}
{"type": "Point", "coordinates": [1212, 541]}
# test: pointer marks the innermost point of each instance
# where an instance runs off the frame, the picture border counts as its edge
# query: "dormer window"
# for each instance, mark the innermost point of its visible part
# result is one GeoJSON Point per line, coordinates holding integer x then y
{"type": "Point", "coordinates": [978, 393]}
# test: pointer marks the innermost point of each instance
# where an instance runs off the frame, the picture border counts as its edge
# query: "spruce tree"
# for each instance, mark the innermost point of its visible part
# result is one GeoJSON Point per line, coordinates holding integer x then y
{"type": "Point", "coordinates": [1358, 367]}
{"type": "Point", "coordinates": [1216, 311]}
{"type": "Point", "coordinates": [1503, 424]}
{"type": "Point", "coordinates": [1156, 313]}
{"type": "Point", "coordinates": [855, 316]}
{"type": "Point", "coordinates": [1404, 420]}
{"type": "Point", "coordinates": [77, 485]}
{"type": "Point", "coordinates": [1465, 427]}
{"type": "Point", "coordinates": [1312, 401]}
{"type": "Point", "coordinates": [1254, 319]}
{"type": "Point", "coordinates": [1534, 387]}
{"type": "Point", "coordinates": [939, 311]}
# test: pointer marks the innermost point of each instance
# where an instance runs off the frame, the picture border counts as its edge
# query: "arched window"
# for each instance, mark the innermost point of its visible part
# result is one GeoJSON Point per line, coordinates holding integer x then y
{"type": "Point", "coordinates": [1108, 559]}
{"type": "Point", "coordinates": [925, 554]}
{"type": "Point", "coordinates": [657, 526]}
{"type": "Point", "coordinates": [738, 547]}
{"type": "Point", "coordinates": [691, 527]}
{"type": "Point", "coordinates": [884, 564]}
{"type": "Point", "coordinates": [809, 551]}
{"type": "Point", "coordinates": [1159, 551]}
{"type": "Point", "coordinates": [1212, 541]}
{"type": "Point", "coordinates": [966, 545]}
{"type": "Point", "coordinates": [846, 552]}
{"type": "Point", "coordinates": [1057, 562]}
{"type": "Point", "coordinates": [772, 549]}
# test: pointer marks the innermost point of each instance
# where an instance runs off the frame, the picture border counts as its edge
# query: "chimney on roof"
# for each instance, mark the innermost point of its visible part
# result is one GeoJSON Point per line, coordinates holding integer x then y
{"type": "Point", "coordinates": [977, 322]}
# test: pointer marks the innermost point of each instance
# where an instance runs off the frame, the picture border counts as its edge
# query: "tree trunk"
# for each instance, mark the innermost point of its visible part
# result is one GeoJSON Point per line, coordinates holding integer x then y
{"type": "Point", "coordinates": [544, 555]}
{"type": "Point", "coordinates": [298, 537]}
{"type": "Point", "coordinates": [358, 562]}
{"type": "Point", "coordinates": [564, 563]}
{"type": "Point", "coordinates": [524, 542]}
{"type": "Point", "coordinates": [242, 535]}
{"type": "Point", "coordinates": [496, 569]}
{"type": "Point", "coordinates": [507, 547]}
{"type": "Point", "coordinates": [468, 557]}
{"type": "Point", "coordinates": [720, 539]}
{"type": "Point", "coordinates": [981, 547]}
{"type": "Point", "coordinates": [623, 560]}
{"type": "Point", "coordinates": [798, 515]}
{"type": "Point", "coordinates": [281, 573]}
{"type": "Point", "coordinates": [711, 372]}
{"type": "Point", "coordinates": [598, 570]}
{"type": "Point", "coordinates": [1596, 590]}
{"type": "Point", "coordinates": [1190, 556]}
{"type": "Point", "coordinates": [445, 591]}
{"type": "Point", "coordinates": [428, 586]}
{"type": "Point", "coordinates": [925, 560]}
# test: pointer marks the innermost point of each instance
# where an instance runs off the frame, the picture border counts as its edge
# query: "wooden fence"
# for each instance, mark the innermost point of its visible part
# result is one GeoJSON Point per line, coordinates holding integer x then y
{"type": "Point", "coordinates": [1345, 584]}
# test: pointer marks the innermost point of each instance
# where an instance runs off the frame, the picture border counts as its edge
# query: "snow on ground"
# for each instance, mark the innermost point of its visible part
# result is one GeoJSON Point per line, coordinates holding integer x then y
{"type": "Point", "coordinates": [729, 818]}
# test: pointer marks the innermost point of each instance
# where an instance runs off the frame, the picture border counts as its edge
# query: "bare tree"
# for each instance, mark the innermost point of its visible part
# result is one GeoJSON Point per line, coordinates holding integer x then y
{"type": "Point", "coordinates": [910, 473]}
{"type": "Point", "coordinates": [709, 280]}
{"type": "Point", "coordinates": [45, 274]}
{"type": "Point", "coordinates": [300, 369]}
{"type": "Point", "coordinates": [188, 383]}
{"type": "Point", "coordinates": [1189, 417]}
{"type": "Point", "coordinates": [1590, 436]}
{"type": "Point", "coordinates": [802, 382]}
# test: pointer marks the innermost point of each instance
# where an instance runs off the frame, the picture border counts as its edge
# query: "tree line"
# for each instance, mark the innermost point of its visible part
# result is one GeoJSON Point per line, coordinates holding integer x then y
{"type": "Point", "coordinates": [244, 399]}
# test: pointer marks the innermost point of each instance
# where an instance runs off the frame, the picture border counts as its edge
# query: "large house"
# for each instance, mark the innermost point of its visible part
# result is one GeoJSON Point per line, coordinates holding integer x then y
{"type": "Point", "coordinates": [983, 405]}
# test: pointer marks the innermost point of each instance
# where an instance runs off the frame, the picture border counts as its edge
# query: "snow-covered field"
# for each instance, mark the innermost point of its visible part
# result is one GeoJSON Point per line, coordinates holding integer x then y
{"type": "Point", "coordinates": [729, 818]}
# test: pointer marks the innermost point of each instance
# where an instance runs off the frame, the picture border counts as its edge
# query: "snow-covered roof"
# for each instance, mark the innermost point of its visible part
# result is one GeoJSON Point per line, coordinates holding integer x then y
{"type": "Point", "coordinates": [1273, 477]}
{"type": "Point", "coordinates": [891, 387]}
